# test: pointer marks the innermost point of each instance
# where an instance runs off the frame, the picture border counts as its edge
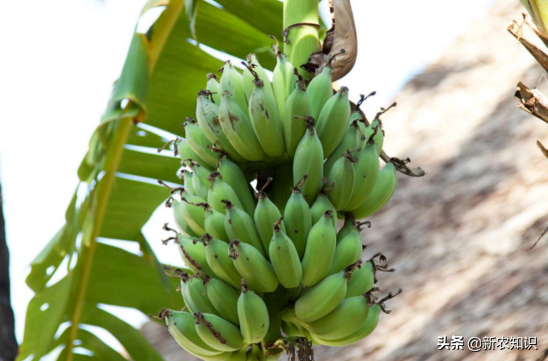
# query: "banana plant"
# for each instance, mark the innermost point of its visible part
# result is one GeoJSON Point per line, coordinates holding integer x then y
{"type": "Point", "coordinates": [81, 272]}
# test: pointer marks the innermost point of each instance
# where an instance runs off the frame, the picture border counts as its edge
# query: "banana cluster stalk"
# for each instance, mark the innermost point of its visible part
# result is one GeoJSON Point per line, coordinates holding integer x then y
{"type": "Point", "coordinates": [265, 265]}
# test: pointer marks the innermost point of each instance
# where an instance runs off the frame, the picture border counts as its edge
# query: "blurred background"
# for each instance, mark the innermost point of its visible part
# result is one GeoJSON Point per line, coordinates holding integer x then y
{"type": "Point", "coordinates": [459, 237]}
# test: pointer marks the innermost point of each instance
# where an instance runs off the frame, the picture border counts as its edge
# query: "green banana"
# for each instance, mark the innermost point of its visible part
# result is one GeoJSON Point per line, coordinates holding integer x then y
{"type": "Point", "coordinates": [214, 88]}
{"type": "Point", "coordinates": [366, 171]}
{"type": "Point", "coordinates": [238, 129]}
{"type": "Point", "coordinates": [323, 298]}
{"type": "Point", "coordinates": [232, 82]}
{"type": "Point", "coordinates": [349, 251]}
{"type": "Point", "coordinates": [319, 251]}
{"type": "Point", "coordinates": [249, 78]}
{"type": "Point", "coordinates": [344, 320]}
{"type": "Point", "coordinates": [296, 107]}
{"type": "Point", "coordinates": [252, 315]}
{"type": "Point", "coordinates": [265, 119]}
{"type": "Point", "coordinates": [240, 355]}
{"type": "Point", "coordinates": [220, 191]}
{"type": "Point", "coordinates": [179, 219]}
{"type": "Point", "coordinates": [219, 261]}
{"type": "Point", "coordinates": [199, 143]}
{"type": "Point", "coordinates": [181, 326]}
{"type": "Point", "coordinates": [323, 204]}
{"type": "Point", "coordinates": [239, 225]}
{"type": "Point", "coordinates": [207, 114]}
{"type": "Point", "coordinates": [233, 175]}
{"type": "Point", "coordinates": [365, 329]}
{"type": "Point", "coordinates": [191, 212]}
{"type": "Point", "coordinates": [308, 161]}
{"type": "Point", "coordinates": [187, 181]}
{"type": "Point", "coordinates": [361, 281]}
{"type": "Point", "coordinates": [384, 188]}
{"type": "Point", "coordinates": [283, 80]}
{"type": "Point", "coordinates": [342, 177]}
{"type": "Point", "coordinates": [214, 223]}
{"type": "Point", "coordinates": [200, 184]}
{"type": "Point", "coordinates": [185, 151]}
{"type": "Point", "coordinates": [224, 299]}
{"type": "Point", "coordinates": [196, 296]}
{"type": "Point", "coordinates": [285, 258]}
{"type": "Point", "coordinates": [298, 218]}
{"type": "Point", "coordinates": [351, 141]}
{"type": "Point", "coordinates": [333, 121]}
{"type": "Point", "coordinates": [376, 130]}
{"type": "Point", "coordinates": [348, 226]}
{"type": "Point", "coordinates": [217, 332]}
{"type": "Point", "coordinates": [319, 91]}
{"type": "Point", "coordinates": [266, 214]}
{"type": "Point", "coordinates": [252, 266]}
{"type": "Point", "coordinates": [193, 254]}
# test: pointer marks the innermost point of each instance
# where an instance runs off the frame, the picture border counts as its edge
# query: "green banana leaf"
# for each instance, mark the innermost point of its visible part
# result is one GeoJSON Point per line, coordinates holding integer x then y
{"type": "Point", "coordinates": [80, 270]}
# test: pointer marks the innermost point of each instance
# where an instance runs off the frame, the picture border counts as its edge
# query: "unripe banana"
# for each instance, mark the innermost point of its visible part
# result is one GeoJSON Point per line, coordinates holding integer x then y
{"type": "Point", "coordinates": [199, 143]}
{"type": "Point", "coordinates": [214, 87]}
{"type": "Point", "coordinates": [179, 219]}
{"type": "Point", "coordinates": [349, 251]}
{"type": "Point", "coordinates": [285, 259]}
{"type": "Point", "coordinates": [238, 129]}
{"type": "Point", "coordinates": [366, 172]}
{"type": "Point", "coordinates": [323, 298]}
{"type": "Point", "coordinates": [348, 226]}
{"type": "Point", "coordinates": [196, 296]}
{"type": "Point", "coordinates": [361, 281]}
{"type": "Point", "coordinates": [191, 212]}
{"type": "Point", "coordinates": [376, 130]}
{"type": "Point", "coordinates": [320, 247]}
{"type": "Point", "coordinates": [181, 326]}
{"type": "Point", "coordinates": [187, 181]}
{"type": "Point", "coordinates": [233, 175]}
{"type": "Point", "coordinates": [253, 316]}
{"type": "Point", "coordinates": [296, 107]}
{"type": "Point", "coordinates": [219, 261]}
{"type": "Point", "coordinates": [322, 205]}
{"type": "Point", "coordinates": [298, 218]}
{"type": "Point", "coordinates": [342, 176]}
{"type": "Point", "coordinates": [224, 299]}
{"type": "Point", "coordinates": [207, 114]}
{"type": "Point", "coordinates": [384, 188]}
{"type": "Point", "coordinates": [350, 141]}
{"type": "Point", "coordinates": [185, 152]}
{"type": "Point", "coordinates": [266, 214]}
{"type": "Point", "coordinates": [365, 329]}
{"type": "Point", "coordinates": [252, 266]}
{"type": "Point", "coordinates": [240, 355]}
{"type": "Point", "coordinates": [308, 162]}
{"type": "Point", "coordinates": [333, 121]}
{"type": "Point", "coordinates": [200, 184]}
{"type": "Point", "coordinates": [344, 320]}
{"type": "Point", "coordinates": [266, 119]}
{"type": "Point", "coordinates": [218, 332]}
{"type": "Point", "coordinates": [239, 225]}
{"type": "Point", "coordinates": [362, 332]}
{"type": "Point", "coordinates": [214, 223]}
{"type": "Point", "coordinates": [193, 253]}
{"type": "Point", "coordinates": [249, 78]}
{"type": "Point", "coordinates": [319, 91]}
{"type": "Point", "coordinates": [283, 80]}
{"type": "Point", "coordinates": [220, 191]}
{"type": "Point", "coordinates": [233, 82]}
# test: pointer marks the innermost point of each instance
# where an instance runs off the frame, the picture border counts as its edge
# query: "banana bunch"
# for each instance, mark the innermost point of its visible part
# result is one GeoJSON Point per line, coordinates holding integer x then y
{"type": "Point", "coordinates": [265, 264]}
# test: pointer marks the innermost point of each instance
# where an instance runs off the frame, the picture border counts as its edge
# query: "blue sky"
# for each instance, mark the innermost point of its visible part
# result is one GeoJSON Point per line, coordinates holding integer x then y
{"type": "Point", "coordinates": [59, 59]}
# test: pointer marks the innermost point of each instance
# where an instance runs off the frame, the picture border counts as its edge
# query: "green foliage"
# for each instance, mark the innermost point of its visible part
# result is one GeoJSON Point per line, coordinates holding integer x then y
{"type": "Point", "coordinates": [118, 192]}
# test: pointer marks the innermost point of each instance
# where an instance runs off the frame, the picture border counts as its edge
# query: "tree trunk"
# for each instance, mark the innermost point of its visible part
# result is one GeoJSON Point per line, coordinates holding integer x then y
{"type": "Point", "coordinates": [8, 344]}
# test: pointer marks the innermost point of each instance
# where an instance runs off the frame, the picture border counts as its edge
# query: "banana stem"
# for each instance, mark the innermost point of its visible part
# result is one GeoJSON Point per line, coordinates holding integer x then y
{"type": "Point", "coordinates": [301, 32]}
{"type": "Point", "coordinates": [275, 302]}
